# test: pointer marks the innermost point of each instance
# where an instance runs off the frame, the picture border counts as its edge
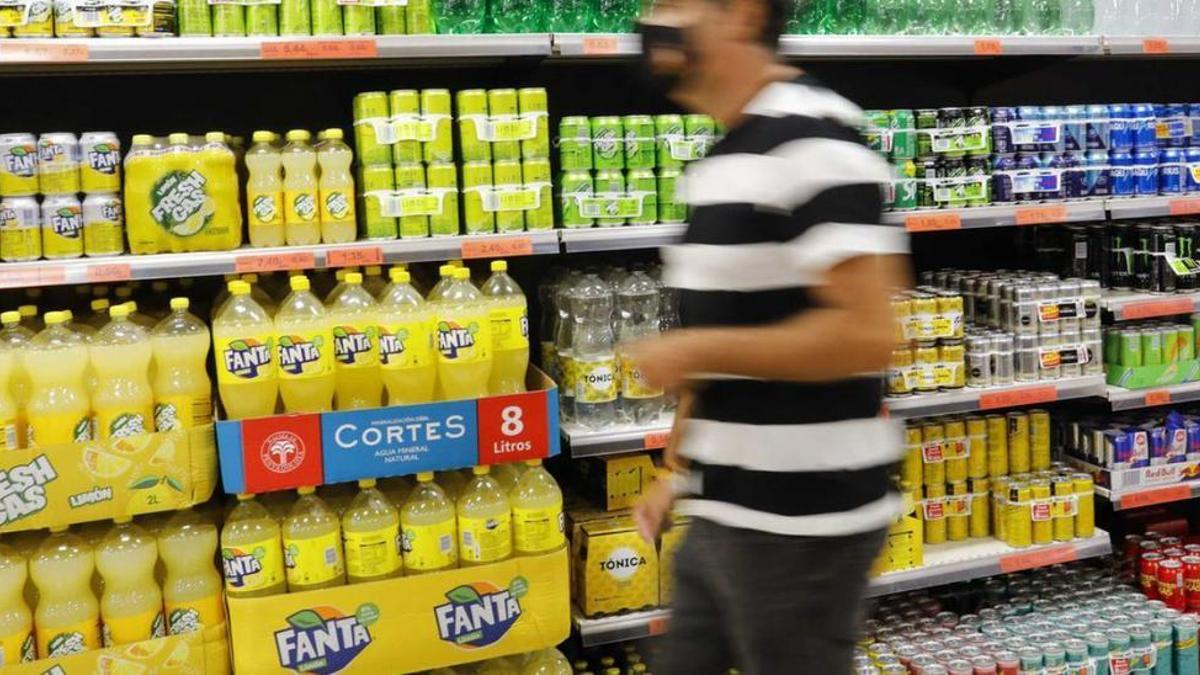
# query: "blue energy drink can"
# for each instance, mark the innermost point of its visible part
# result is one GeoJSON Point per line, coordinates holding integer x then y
{"type": "Point", "coordinates": [1054, 114]}
{"type": "Point", "coordinates": [1120, 128]}
{"type": "Point", "coordinates": [1145, 171]}
{"type": "Point", "coordinates": [1191, 156]}
{"type": "Point", "coordinates": [1002, 183]}
{"type": "Point", "coordinates": [1170, 171]}
{"type": "Point", "coordinates": [1096, 178]}
{"type": "Point", "coordinates": [1144, 130]}
{"type": "Point", "coordinates": [1074, 129]}
{"type": "Point", "coordinates": [1121, 171]}
{"type": "Point", "coordinates": [1002, 133]}
{"type": "Point", "coordinates": [1097, 127]}
{"type": "Point", "coordinates": [1074, 176]}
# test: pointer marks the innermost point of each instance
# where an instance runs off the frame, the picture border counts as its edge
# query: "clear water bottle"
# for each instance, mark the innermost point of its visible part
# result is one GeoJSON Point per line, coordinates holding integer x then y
{"type": "Point", "coordinates": [517, 16]}
{"type": "Point", "coordinates": [569, 16]}
{"type": "Point", "coordinates": [564, 336]}
{"type": "Point", "coordinates": [594, 355]}
{"type": "Point", "coordinates": [461, 16]}
{"type": "Point", "coordinates": [637, 319]}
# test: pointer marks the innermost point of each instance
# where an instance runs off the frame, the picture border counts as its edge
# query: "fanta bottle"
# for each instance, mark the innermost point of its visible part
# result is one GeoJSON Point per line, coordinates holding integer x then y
{"type": "Point", "coordinates": [304, 344]}
{"type": "Point", "coordinates": [123, 401]}
{"type": "Point", "coordinates": [312, 544]}
{"type": "Point", "coordinates": [301, 214]}
{"type": "Point", "coordinates": [222, 297]}
{"type": "Point", "coordinates": [9, 410]}
{"type": "Point", "coordinates": [15, 338]}
{"type": "Point", "coordinates": [220, 166]}
{"type": "Point", "coordinates": [244, 350]}
{"type": "Point", "coordinates": [464, 339]}
{"type": "Point", "coordinates": [484, 521]}
{"type": "Point", "coordinates": [67, 615]}
{"type": "Point", "coordinates": [141, 171]}
{"type": "Point", "coordinates": [371, 532]}
{"type": "Point", "coordinates": [429, 528]}
{"type": "Point", "coordinates": [338, 496]}
{"type": "Point", "coordinates": [59, 407]}
{"type": "Point", "coordinates": [251, 551]}
{"type": "Point", "coordinates": [445, 278]}
{"type": "Point", "coordinates": [338, 224]}
{"type": "Point", "coordinates": [16, 621]}
{"type": "Point", "coordinates": [406, 356]}
{"type": "Point", "coordinates": [125, 297]}
{"type": "Point", "coordinates": [132, 604]}
{"type": "Point", "coordinates": [497, 666]}
{"type": "Point", "coordinates": [547, 662]}
{"type": "Point", "coordinates": [182, 390]}
{"type": "Point", "coordinates": [510, 331]}
{"type": "Point", "coordinates": [373, 280]}
{"type": "Point", "coordinates": [260, 295]}
{"type": "Point", "coordinates": [98, 317]}
{"type": "Point", "coordinates": [537, 505]}
{"type": "Point", "coordinates": [84, 330]}
{"type": "Point", "coordinates": [264, 191]}
{"type": "Point", "coordinates": [356, 346]}
{"type": "Point", "coordinates": [192, 587]}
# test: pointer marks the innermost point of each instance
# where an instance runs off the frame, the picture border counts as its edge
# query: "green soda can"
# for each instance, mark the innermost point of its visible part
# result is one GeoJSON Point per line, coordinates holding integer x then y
{"type": "Point", "coordinates": [610, 184]}
{"type": "Point", "coordinates": [472, 105]}
{"type": "Point", "coordinates": [418, 15]}
{"type": "Point", "coordinates": [1162, 637]}
{"type": "Point", "coordinates": [1170, 343]}
{"type": "Point", "coordinates": [926, 119]}
{"type": "Point", "coordinates": [477, 177]}
{"type": "Point", "coordinates": [435, 106]}
{"type": "Point", "coordinates": [640, 151]}
{"type": "Point", "coordinates": [642, 185]}
{"type": "Point", "coordinates": [405, 104]}
{"type": "Point", "coordinates": [532, 101]}
{"type": "Point", "coordinates": [1076, 651]}
{"type": "Point", "coordinates": [444, 176]}
{"type": "Point", "coordinates": [875, 132]}
{"type": "Point", "coordinates": [378, 178]}
{"type": "Point", "coordinates": [507, 173]}
{"type": "Point", "coordinates": [1187, 656]}
{"type": "Point", "coordinates": [1152, 347]}
{"type": "Point", "coordinates": [537, 172]}
{"type": "Point", "coordinates": [326, 17]}
{"type": "Point", "coordinates": [228, 21]}
{"type": "Point", "coordinates": [574, 185]}
{"type": "Point", "coordinates": [370, 105]}
{"type": "Point", "coordinates": [262, 20]}
{"type": "Point", "coordinates": [294, 18]}
{"type": "Point", "coordinates": [608, 146]}
{"type": "Point", "coordinates": [701, 131]}
{"type": "Point", "coordinates": [902, 124]}
{"type": "Point", "coordinates": [575, 144]}
{"type": "Point", "coordinates": [502, 105]}
{"type": "Point", "coordinates": [195, 19]}
{"type": "Point", "coordinates": [1187, 342]}
{"type": "Point", "coordinates": [390, 20]}
{"type": "Point", "coordinates": [904, 184]}
{"type": "Point", "coordinates": [411, 177]}
{"type": "Point", "coordinates": [358, 19]}
{"type": "Point", "coordinates": [670, 209]}
{"type": "Point", "coordinates": [668, 130]}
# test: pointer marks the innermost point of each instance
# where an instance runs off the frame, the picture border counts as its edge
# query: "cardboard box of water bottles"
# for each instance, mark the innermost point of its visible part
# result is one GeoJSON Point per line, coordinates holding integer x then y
{"type": "Point", "coordinates": [283, 452]}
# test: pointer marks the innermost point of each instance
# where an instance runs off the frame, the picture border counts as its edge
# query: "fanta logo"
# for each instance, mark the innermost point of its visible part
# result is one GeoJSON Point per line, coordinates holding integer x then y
{"type": "Point", "coordinates": [477, 615]}
{"type": "Point", "coordinates": [67, 222]}
{"type": "Point", "coordinates": [622, 563]}
{"type": "Point", "coordinates": [244, 358]}
{"type": "Point", "coordinates": [49, 151]}
{"type": "Point", "coordinates": [263, 208]}
{"type": "Point", "coordinates": [282, 452]}
{"type": "Point", "coordinates": [391, 345]}
{"type": "Point", "coordinates": [103, 157]}
{"type": "Point", "coordinates": [337, 204]}
{"type": "Point", "coordinates": [20, 161]}
{"type": "Point", "coordinates": [453, 337]}
{"type": "Point", "coordinates": [239, 564]}
{"type": "Point", "coordinates": [8, 217]}
{"type": "Point", "coordinates": [111, 211]}
{"type": "Point", "coordinates": [295, 351]}
{"type": "Point", "coordinates": [323, 640]}
{"type": "Point", "coordinates": [349, 343]}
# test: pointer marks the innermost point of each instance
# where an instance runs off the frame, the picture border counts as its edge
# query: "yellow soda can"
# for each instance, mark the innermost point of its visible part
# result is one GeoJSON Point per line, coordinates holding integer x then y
{"type": "Point", "coordinates": [58, 163]}
{"type": "Point", "coordinates": [100, 166]}
{"type": "Point", "coordinates": [20, 229]}
{"type": "Point", "coordinates": [62, 226]}
{"type": "Point", "coordinates": [39, 22]}
{"type": "Point", "coordinates": [18, 165]}
{"type": "Point", "coordinates": [103, 224]}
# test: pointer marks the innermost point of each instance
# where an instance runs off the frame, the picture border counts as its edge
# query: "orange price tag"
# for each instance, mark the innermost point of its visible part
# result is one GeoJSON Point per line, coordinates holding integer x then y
{"type": "Point", "coordinates": [933, 222]}
{"type": "Point", "coordinates": [1045, 557]}
{"type": "Point", "coordinates": [319, 49]}
{"type": "Point", "coordinates": [1036, 215]}
{"type": "Point", "coordinates": [503, 247]}
{"type": "Point", "coordinates": [1155, 46]}
{"type": "Point", "coordinates": [351, 257]}
{"type": "Point", "coordinates": [599, 45]}
{"type": "Point", "coordinates": [1158, 397]}
{"type": "Point", "coordinates": [52, 276]}
{"type": "Point", "coordinates": [108, 272]}
{"type": "Point", "coordinates": [657, 626]}
{"type": "Point", "coordinates": [273, 262]}
{"type": "Point", "coordinates": [18, 278]}
{"type": "Point", "coordinates": [1163, 495]}
{"type": "Point", "coordinates": [1014, 397]}
{"type": "Point", "coordinates": [656, 439]}
{"type": "Point", "coordinates": [1183, 207]}
{"type": "Point", "coordinates": [988, 47]}
{"type": "Point", "coordinates": [1163, 307]}
{"type": "Point", "coordinates": [43, 52]}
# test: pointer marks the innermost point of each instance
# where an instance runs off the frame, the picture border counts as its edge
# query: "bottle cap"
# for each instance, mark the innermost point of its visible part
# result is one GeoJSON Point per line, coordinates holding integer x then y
{"type": "Point", "coordinates": [306, 490]}
{"type": "Point", "coordinates": [340, 275]}
{"type": "Point", "coordinates": [131, 304]}
{"type": "Point", "coordinates": [250, 278]}
{"type": "Point", "coordinates": [99, 304]}
{"type": "Point", "coordinates": [180, 303]}
{"type": "Point", "coordinates": [300, 283]}
{"type": "Point", "coordinates": [298, 135]}
{"type": "Point", "coordinates": [10, 317]}
{"type": "Point", "coordinates": [398, 275]}
{"type": "Point", "coordinates": [354, 278]}
{"type": "Point", "coordinates": [333, 134]}
{"type": "Point", "coordinates": [446, 270]}
{"type": "Point", "coordinates": [28, 311]}
{"type": "Point", "coordinates": [263, 136]}
{"type": "Point", "coordinates": [69, 314]}
{"type": "Point", "coordinates": [499, 265]}
{"type": "Point", "coordinates": [244, 497]}
{"type": "Point", "coordinates": [239, 288]}
{"type": "Point", "coordinates": [119, 311]}
{"type": "Point", "coordinates": [215, 137]}
{"type": "Point", "coordinates": [142, 139]}
{"type": "Point", "coordinates": [54, 318]}
{"type": "Point", "coordinates": [533, 462]}
{"type": "Point", "coordinates": [481, 470]}
{"type": "Point", "coordinates": [177, 138]}
{"type": "Point", "coordinates": [366, 483]}
{"type": "Point", "coordinates": [462, 273]}
{"type": "Point", "coordinates": [425, 477]}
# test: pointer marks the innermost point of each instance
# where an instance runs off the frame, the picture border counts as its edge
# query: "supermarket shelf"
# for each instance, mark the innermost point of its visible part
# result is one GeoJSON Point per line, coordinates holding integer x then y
{"type": "Point", "coordinates": [1131, 399]}
{"type": "Point", "coordinates": [926, 220]}
{"type": "Point", "coordinates": [1125, 500]}
{"type": "Point", "coordinates": [632, 626]}
{"type": "Point", "coordinates": [1153, 46]}
{"type": "Point", "coordinates": [584, 443]}
{"type": "Point", "coordinates": [991, 398]}
{"type": "Point", "coordinates": [595, 45]}
{"type": "Point", "coordinates": [1142, 207]}
{"type": "Point", "coordinates": [909, 46]}
{"type": "Point", "coordinates": [620, 238]}
{"type": "Point", "coordinates": [1126, 306]}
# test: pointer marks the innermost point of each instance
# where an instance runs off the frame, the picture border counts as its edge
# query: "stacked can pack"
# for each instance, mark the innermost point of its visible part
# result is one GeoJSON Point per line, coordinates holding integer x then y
{"type": "Point", "coordinates": [64, 18]}
{"type": "Point", "coordinates": [928, 354]}
{"type": "Point", "coordinates": [1134, 441]}
{"type": "Point", "coordinates": [624, 170]}
{"type": "Point", "coordinates": [60, 166]}
{"type": "Point", "coordinates": [1167, 570]}
{"type": "Point", "coordinates": [1150, 343]}
{"type": "Point", "coordinates": [239, 18]}
{"type": "Point", "coordinates": [1156, 256]}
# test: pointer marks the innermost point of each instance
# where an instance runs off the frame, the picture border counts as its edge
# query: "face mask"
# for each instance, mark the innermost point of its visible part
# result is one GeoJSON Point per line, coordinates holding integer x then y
{"type": "Point", "coordinates": [668, 38]}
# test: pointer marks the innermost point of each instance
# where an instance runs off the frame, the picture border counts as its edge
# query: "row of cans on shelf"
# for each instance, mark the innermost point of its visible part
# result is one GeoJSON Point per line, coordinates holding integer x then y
{"type": "Point", "coordinates": [634, 141]}
{"type": "Point", "coordinates": [70, 18]}
{"type": "Point", "coordinates": [1021, 301]}
{"type": "Point", "coordinates": [1134, 441]}
{"type": "Point", "coordinates": [61, 227]}
{"type": "Point", "coordinates": [951, 449]}
{"type": "Point", "coordinates": [1150, 343]}
{"type": "Point", "coordinates": [1156, 256]}
{"type": "Point", "coordinates": [1168, 570]}
{"type": "Point", "coordinates": [611, 197]}
{"type": "Point", "coordinates": [59, 163]}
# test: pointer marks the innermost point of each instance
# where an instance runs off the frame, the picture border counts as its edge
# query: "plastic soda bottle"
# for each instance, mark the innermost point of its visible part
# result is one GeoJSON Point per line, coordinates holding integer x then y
{"type": "Point", "coordinates": [464, 339]}
{"type": "Point", "coordinates": [123, 401]}
{"type": "Point", "coordinates": [182, 390]}
{"type": "Point", "coordinates": [220, 165]}
{"type": "Point", "coordinates": [260, 296]}
{"type": "Point", "coordinates": [132, 604]}
{"type": "Point", "coordinates": [429, 530]}
{"type": "Point", "coordinates": [15, 338]}
{"type": "Point", "coordinates": [304, 344]}
{"type": "Point", "coordinates": [67, 615]}
{"type": "Point", "coordinates": [406, 356]}
{"type": "Point", "coordinates": [371, 533]}
{"type": "Point", "coordinates": [312, 544]}
{"type": "Point", "coordinates": [356, 346]}
{"type": "Point", "coordinates": [9, 410]}
{"type": "Point", "coordinates": [548, 662]}
{"type": "Point", "coordinates": [637, 319]}
{"type": "Point", "coordinates": [338, 224]}
{"type": "Point", "coordinates": [251, 553]}
{"type": "Point", "coordinates": [301, 215]}
{"type": "Point", "coordinates": [192, 587]}
{"type": "Point", "coordinates": [497, 666]}
{"type": "Point", "coordinates": [537, 512]}
{"type": "Point", "coordinates": [244, 350]}
{"type": "Point", "coordinates": [507, 476]}
{"type": "Point", "coordinates": [59, 406]}
{"type": "Point", "coordinates": [445, 278]}
{"type": "Point", "coordinates": [510, 331]}
{"type": "Point", "coordinates": [592, 353]}
{"type": "Point", "coordinates": [484, 521]}
{"type": "Point", "coordinates": [16, 621]}
{"type": "Point", "coordinates": [374, 282]}
{"type": "Point", "coordinates": [264, 191]}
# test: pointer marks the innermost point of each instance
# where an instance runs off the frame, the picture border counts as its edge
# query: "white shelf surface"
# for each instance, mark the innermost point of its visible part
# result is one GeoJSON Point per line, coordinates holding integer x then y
{"type": "Point", "coordinates": [1137, 498]}
{"type": "Point", "coordinates": [970, 399]}
{"type": "Point", "coordinates": [590, 239]}
{"type": "Point", "coordinates": [615, 441]}
{"type": "Point", "coordinates": [1131, 399]}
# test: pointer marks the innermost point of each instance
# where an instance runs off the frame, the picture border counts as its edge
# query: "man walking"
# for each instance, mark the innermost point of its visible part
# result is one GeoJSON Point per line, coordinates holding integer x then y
{"type": "Point", "coordinates": [785, 276]}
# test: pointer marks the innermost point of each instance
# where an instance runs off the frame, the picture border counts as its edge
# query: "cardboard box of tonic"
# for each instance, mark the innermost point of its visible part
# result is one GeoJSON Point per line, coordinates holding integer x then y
{"type": "Point", "coordinates": [289, 451]}
{"type": "Point", "coordinates": [197, 653]}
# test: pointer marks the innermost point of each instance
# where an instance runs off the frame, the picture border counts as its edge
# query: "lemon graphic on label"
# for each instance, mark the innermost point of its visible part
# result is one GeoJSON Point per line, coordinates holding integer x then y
{"type": "Point", "coordinates": [165, 454]}
{"type": "Point", "coordinates": [101, 464]}
{"type": "Point", "coordinates": [111, 665]}
{"type": "Point", "coordinates": [178, 657]}
{"type": "Point", "coordinates": [132, 445]}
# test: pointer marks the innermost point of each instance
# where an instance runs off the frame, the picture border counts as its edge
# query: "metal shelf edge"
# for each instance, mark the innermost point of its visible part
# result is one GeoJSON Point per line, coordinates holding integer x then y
{"type": "Point", "coordinates": [967, 400]}
{"type": "Point", "coordinates": [1132, 399]}
{"type": "Point", "coordinates": [629, 237]}
{"type": "Point", "coordinates": [1118, 500]}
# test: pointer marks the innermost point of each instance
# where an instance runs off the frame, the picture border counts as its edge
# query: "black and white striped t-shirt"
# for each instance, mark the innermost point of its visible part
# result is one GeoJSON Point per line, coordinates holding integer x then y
{"type": "Point", "coordinates": [788, 194]}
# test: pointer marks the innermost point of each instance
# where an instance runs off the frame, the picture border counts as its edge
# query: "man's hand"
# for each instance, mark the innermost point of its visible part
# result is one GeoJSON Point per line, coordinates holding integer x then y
{"type": "Point", "coordinates": [664, 361]}
{"type": "Point", "coordinates": [652, 513]}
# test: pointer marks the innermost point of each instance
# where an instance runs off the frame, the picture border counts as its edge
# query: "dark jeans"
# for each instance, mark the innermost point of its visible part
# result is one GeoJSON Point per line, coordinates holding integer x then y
{"type": "Point", "coordinates": [766, 604]}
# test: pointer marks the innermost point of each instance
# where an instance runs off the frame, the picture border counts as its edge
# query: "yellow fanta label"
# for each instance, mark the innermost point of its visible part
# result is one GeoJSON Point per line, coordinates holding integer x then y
{"type": "Point", "coordinates": [337, 206]}
{"type": "Point", "coordinates": [314, 560]}
{"type": "Point", "coordinates": [182, 412]}
{"type": "Point", "coordinates": [266, 208]}
{"type": "Point", "coordinates": [304, 355]}
{"type": "Point", "coordinates": [194, 615]}
{"type": "Point", "coordinates": [81, 637]}
{"type": "Point", "coordinates": [356, 346]}
{"type": "Point", "coordinates": [300, 206]}
{"type": "Point", "coordinates": [633, 382]}
{"type": "Point", "coordinates": [465, 339]}
{"type": "Point", "coordinates": [510, 328]}
{"type": "Point", "coordinates": [17, 648]}
{"type": "Point", "coordinates": [252, 566]}
{"type": "Point", "coordinates": [58, 428]}
{"type": "Point", "coordinates": [122, 422]}
{"type": "Point", "coordinates": [538, 530]}
{"type": "Point", "coordinates": [405, 345]}
{"type": "Point", "coordinates": [245, 359]}
{"type": "Point", "coordinates": [484, 540]}
{"type": "Point", "coordinates": [429, 547]}
{"type": "Point", "coordinates": [595, 381]}
{"type": "Point", "coordinates": [373, 553]}
{"type": "Point", "coordinates": [122, 630]}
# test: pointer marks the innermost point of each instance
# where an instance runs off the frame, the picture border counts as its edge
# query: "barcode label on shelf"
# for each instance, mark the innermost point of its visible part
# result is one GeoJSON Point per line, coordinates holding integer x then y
{"type": "Point", "coordinates": [1162, 307]}
{"type": "Point", "coordinates": [656, 439]}
{"type": "Point", "coordinates": [599, 45]}
{"type": "Point", "coordinates": [19, 51]}
{"type": "Point", "coordinates": [988, 47]}
{"type": "Point", "coordinates": [274, 262]}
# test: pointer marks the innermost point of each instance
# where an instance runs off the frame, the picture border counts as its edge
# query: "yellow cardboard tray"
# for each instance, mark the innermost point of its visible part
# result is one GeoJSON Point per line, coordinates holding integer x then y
{"type": "Point", "coordinates": [201, 653]}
